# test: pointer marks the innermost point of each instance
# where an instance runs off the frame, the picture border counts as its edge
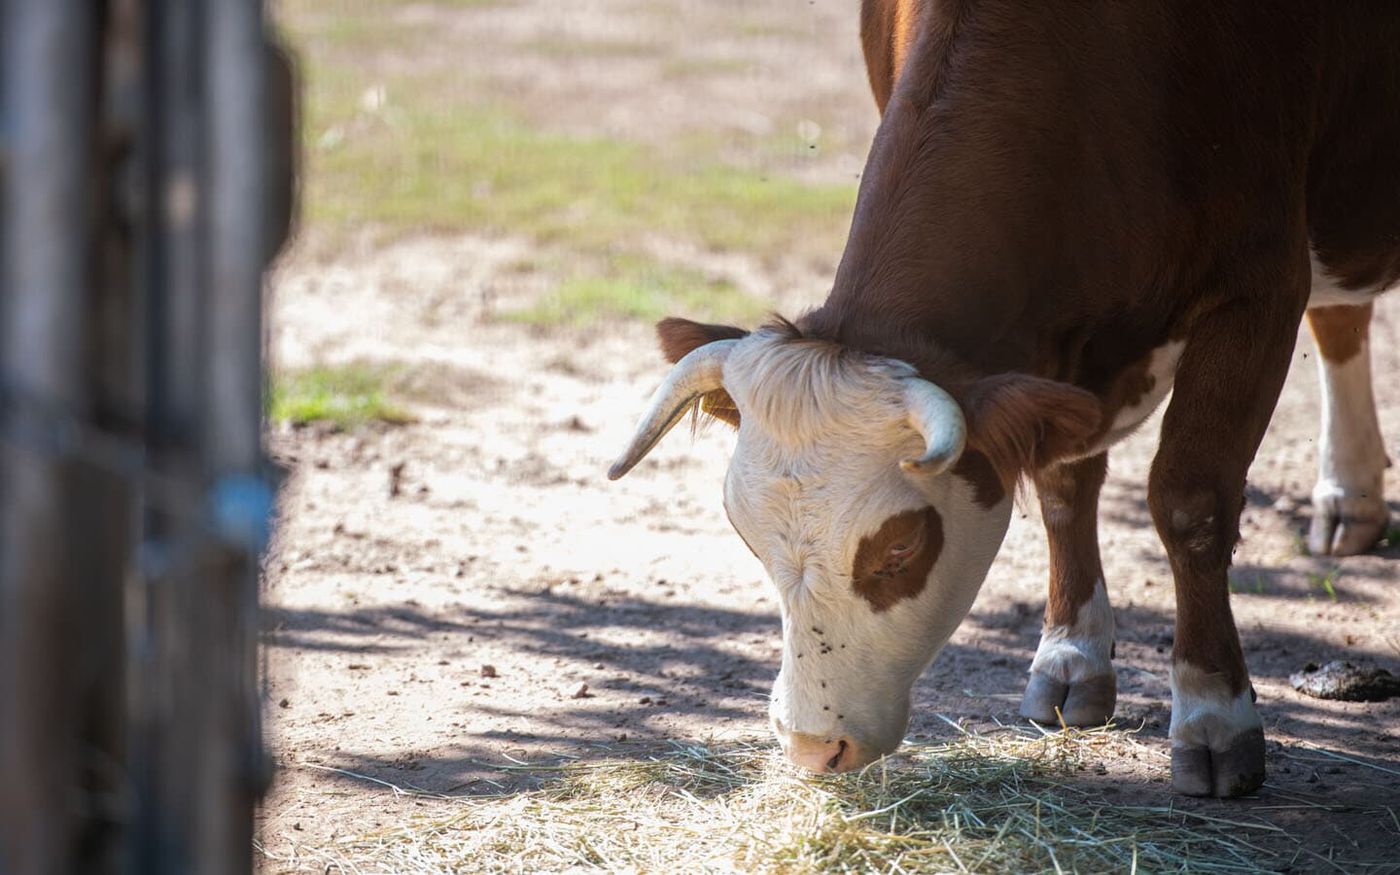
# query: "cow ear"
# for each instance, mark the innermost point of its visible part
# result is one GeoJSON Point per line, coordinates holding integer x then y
{"type": "Point", "coordinates": [1023, 423]}
{"type": "Point", "coordinates": [679, 336]}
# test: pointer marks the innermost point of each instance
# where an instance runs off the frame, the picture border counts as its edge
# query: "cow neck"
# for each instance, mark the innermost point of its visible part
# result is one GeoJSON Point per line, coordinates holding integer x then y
{"type": "Point", "coordinates": [965, 237]}
{"type": "Point", "coordinates": [935, 358]}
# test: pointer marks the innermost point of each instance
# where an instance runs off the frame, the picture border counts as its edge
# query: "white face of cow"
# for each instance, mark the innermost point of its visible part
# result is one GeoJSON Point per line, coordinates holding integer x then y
{"type": "Point", "coordinates": [844, 484]}
{"type": "Point", "coordinates": [875, 565]}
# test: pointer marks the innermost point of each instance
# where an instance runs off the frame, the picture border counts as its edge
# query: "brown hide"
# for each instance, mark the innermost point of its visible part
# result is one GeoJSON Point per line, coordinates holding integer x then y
{"type": "Point", "coordinates": [886, 33]}
{"type": "Point", "coordinates": [1057, 189]}
{"type": "Point", "coordinates": [1340, 332]}
{"type": "Point", "coordinates": [1054, 187]}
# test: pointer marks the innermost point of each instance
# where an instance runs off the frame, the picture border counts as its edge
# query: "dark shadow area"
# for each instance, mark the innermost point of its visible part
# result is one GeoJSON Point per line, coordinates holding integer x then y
{"type": "Point", "coordinates": [361, 630]}
{"type": "Point", "coordinates": [978, 677]}
{"type": "Point", "coordinates": [1144, 644]}
{"type": "Point", "coordinates": [1329, 582]}
{"type": "Point", "coordinates": [553, 625]}
{"type": "Point", "coordinates": [1125, 504]}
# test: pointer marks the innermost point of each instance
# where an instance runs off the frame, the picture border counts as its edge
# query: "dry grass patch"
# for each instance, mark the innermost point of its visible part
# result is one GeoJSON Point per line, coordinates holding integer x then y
{"type": "Point", "coordinates": [999, 802]}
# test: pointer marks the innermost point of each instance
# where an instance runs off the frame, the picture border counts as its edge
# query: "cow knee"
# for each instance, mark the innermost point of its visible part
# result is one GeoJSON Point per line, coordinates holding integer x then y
{"type": "Point", "coordinates": [1195, 522]}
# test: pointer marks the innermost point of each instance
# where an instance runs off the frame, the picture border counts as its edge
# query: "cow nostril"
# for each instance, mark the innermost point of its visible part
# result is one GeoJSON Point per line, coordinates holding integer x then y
{"type": "Point", "coordinates": [836, 759]}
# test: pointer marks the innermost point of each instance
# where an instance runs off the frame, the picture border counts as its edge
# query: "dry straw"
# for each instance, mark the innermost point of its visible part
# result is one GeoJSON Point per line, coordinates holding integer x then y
{"type": "Point", "coordinates": [994, 802]}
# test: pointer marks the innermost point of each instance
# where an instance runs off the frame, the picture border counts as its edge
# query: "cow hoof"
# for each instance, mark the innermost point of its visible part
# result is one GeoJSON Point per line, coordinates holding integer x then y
{"type": "Point", "coordinates": [1089, 702]}
{"type": "Point", "coordinates": [1235, 771]}
{"type": "Point", "coordinates": [1344, 525]}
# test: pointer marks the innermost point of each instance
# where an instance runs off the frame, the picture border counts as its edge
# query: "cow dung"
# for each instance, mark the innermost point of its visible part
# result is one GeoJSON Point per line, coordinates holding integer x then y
{"type": "Point", "coordinates": [1347, 681]}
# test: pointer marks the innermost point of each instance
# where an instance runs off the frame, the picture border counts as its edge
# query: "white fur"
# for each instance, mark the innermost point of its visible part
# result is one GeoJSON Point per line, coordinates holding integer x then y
{"type": "Point", "coordinates": [1328, 289]}
{"type": "Point", "coordinates": [1082, 650]}
{"type": "Point", "coordinates": [816, 468]}
{"type": "Point", "coordinates": [1204, 712]}
{"type": "Point", "coordinates": [1161, 368]}
{"type": "Point", "coordinates": [1351, 457]}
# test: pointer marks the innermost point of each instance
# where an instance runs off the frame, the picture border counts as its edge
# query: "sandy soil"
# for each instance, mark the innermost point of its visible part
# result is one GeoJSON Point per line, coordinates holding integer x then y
{"type": "Point", "coordinates": [410, 560]}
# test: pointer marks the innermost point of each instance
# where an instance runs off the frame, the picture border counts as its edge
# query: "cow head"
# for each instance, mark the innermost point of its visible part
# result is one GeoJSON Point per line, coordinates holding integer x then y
{"type": "Point", "coordinates": [875, 500]}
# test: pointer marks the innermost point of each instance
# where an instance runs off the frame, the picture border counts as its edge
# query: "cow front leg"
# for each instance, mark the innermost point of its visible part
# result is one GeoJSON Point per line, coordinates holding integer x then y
{"type": "Point", "coordinates": [1227, 384]}
{"type": "Point", "coordinates": [1073, 671]}
{"type": "Point", "coordinates": [1349, 511]}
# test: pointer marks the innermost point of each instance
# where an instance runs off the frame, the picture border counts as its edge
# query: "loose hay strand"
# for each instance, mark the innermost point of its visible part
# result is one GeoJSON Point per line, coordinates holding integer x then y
{"type": "Point", "coordinates": [980, 803]}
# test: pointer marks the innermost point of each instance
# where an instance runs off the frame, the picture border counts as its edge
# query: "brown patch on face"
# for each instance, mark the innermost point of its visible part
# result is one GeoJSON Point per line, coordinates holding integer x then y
{"type": "Point", "coordinates": [987, 488]}
{"type": "Point", "coordinates": [1340, 331]}
{"type": "Point", "coordinates": [894, 562]}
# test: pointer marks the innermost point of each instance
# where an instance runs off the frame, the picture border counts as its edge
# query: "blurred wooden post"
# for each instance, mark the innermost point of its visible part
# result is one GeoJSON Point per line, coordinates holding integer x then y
{"type": "Point", "coordinates": [145, 177]}
{"type": "Point", "coordinates": [198, 750]}
{"type": "Point", "coordinates": [49, 103]}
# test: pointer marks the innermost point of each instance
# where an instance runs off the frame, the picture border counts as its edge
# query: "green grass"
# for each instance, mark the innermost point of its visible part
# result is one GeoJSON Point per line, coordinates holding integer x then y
{"type": "Point", "coordinates": [558, 46]}
{"type": "Point", "coordinates": [444, 154]}
{"type": "Point", "coordinates": [344, 397]}
{"type": "Point", "coordinates": [1327, 582]}
{"type": "Point", "coordinates": [446, 167]}
{"type": "Point", "coordinates": [682, 67]}
{"type": "Point", "coordinates": [353, 8]}
{"type": "Point", "coordinates": [639, 288]}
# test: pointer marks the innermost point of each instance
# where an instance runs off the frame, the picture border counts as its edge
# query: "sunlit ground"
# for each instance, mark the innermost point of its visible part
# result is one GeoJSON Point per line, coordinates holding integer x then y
{"type": "Point", "coordinates": [499, 197]}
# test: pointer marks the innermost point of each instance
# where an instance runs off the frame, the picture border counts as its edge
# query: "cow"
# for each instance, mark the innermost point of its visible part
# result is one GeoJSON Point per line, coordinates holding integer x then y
{"type": "Point", "coordinates": [1068, 211]}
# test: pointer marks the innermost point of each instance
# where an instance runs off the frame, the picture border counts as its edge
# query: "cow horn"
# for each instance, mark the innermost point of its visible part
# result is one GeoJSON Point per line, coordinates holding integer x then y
{"type": "Point", "coordinates": [700, 371]}
{"type": "Point", "coordinates": [937, 417]}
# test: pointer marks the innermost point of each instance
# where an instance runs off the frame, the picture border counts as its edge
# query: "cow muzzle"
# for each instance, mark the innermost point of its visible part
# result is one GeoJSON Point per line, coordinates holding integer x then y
{"type": "Point", "coordinates": [826, 755]}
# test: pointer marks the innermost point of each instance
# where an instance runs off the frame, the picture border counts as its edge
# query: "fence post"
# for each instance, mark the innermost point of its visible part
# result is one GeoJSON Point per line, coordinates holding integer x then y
{"type": "Point", "coordinates": [144, 168]}
{"type": "Point", "coordinates": [45, 655]}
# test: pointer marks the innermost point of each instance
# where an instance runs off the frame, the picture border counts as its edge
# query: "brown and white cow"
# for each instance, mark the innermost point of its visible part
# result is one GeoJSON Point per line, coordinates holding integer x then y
{"type": "Point", "coordinates": [1069, 209]}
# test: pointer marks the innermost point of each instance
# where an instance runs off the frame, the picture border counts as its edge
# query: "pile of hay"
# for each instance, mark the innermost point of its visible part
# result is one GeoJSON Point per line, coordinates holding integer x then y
{"type": "Point", "coordinates": [997, 802]}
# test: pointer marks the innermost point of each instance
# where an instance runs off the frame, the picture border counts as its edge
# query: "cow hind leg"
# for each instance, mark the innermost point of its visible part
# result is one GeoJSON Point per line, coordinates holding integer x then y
{"type": "Point", "coordinates": [1349, 510]}
{"type": "Point", "coordinates": [1226, 387]}
{"type": "Point", "coordinates": [1071, 677]}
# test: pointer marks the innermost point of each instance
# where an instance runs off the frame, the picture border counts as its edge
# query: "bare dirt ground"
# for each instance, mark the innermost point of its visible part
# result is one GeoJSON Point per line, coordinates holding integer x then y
{"type": "Point", "coordinates": [439, 591]}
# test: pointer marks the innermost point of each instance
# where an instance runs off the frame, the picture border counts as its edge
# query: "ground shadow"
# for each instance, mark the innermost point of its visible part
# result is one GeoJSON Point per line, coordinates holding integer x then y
{"type": "Point", "coordinates": [978, 677]}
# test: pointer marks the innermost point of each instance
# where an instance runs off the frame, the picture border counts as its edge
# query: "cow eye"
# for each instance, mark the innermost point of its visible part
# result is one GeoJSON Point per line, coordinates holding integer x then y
{"type": "Point", "coordinates": [900, 552]}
